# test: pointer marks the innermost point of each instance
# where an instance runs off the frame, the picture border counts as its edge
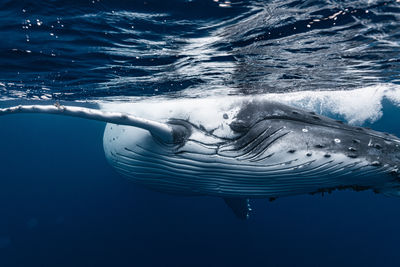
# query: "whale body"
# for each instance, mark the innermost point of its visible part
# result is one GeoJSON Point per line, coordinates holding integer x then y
{"type": "Point", "coordinates": [241, 149]}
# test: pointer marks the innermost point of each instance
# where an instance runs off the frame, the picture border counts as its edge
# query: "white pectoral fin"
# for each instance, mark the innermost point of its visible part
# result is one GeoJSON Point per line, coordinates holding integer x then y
{"type": "Point", "coordinates": [162, 130]}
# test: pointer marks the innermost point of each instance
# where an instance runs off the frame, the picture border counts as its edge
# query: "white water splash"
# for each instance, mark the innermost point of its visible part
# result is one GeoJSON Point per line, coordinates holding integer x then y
{"type": "Point", "coordinates": [355, 106]}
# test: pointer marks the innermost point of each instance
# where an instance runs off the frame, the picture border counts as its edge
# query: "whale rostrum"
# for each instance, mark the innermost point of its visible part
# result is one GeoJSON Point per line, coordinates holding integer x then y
{"type": "Point", "coordinates": [239, 150]}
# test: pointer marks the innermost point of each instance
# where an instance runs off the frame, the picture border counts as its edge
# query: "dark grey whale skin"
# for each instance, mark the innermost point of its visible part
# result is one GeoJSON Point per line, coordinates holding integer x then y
{"type": "Point", "coordinates": [260, 124]}
{"type": "Point", "coordinates": [275, 150]}
{"type": "Point", "coordinates": [278, 150]}
{"type": "Point", "coordinates": [328, 135]}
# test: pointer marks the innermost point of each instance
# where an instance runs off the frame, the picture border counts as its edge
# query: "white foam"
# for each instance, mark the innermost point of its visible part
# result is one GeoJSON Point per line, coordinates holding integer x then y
{"type": "Point", "coordinates": [355, 106]}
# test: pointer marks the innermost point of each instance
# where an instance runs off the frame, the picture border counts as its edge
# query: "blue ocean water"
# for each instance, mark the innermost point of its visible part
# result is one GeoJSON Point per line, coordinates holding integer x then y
{"type": "Point", "coordinates": [61, 204]}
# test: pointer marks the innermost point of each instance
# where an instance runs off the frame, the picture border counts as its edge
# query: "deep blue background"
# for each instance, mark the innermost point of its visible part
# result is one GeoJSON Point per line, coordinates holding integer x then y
{"type": "Point", "coordinates": [61, 204]}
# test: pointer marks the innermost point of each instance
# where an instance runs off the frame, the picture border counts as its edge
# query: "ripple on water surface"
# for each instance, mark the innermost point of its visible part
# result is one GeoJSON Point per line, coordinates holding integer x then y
{"type": "Point", "coordinates": [99, 49]}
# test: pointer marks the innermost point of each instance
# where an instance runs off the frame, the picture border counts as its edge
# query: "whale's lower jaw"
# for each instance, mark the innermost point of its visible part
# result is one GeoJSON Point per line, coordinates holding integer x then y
{"type": "Point", "coordinates": [205, 173]}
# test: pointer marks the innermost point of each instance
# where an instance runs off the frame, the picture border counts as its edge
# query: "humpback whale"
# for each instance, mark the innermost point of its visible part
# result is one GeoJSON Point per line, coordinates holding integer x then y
{"type": "Point", "coordinates": [238, 149]}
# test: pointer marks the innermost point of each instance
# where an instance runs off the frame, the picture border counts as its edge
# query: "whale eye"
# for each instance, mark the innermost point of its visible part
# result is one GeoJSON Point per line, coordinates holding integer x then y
{"type": "Point", "coordinates": [238, 126]}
